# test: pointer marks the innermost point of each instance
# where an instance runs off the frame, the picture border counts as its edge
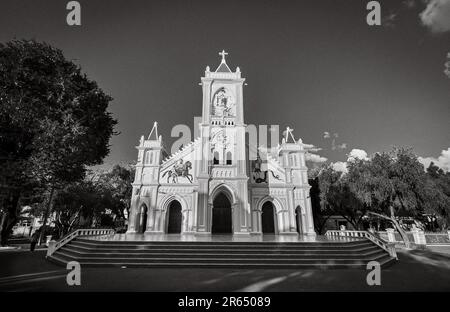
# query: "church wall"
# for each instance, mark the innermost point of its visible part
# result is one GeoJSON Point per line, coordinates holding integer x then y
{"type": "Point", "coordinates": [191, 177]}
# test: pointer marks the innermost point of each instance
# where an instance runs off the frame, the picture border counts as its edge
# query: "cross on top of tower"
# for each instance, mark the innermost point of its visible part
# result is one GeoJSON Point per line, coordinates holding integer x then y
{"type": "Point", "coordinates": [154, 130]}
{"type": "Point", "coordinates": [223, 54]}
{"type": "Point", "coordinates": [223, 67]}
{"type": "Point", "coordinates": [288, 133]}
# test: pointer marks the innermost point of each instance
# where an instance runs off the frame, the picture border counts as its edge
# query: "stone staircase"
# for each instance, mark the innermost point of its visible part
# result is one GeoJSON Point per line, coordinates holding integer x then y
{"type": "Point", "coordinates": [205, 254]}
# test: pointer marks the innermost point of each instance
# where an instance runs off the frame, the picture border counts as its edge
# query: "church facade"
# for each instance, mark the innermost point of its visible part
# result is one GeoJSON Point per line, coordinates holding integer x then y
{"type": "Point", "coordinates": [214, 184]}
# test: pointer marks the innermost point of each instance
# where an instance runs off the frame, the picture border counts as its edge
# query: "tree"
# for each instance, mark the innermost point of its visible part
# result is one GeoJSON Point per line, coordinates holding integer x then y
{"type": "Point", "coordinates": [53, 123]}
{"type": "Point", "coordinates": [101, 197]}
{"type": "Point", "coordinates": [118, 181]}
{"type": "Point", "coordinates": [437, 188]}
{"type": "Point", "coordinates": [390, 184]}
{"type": "Point", "coordinates": [320, 216]}
{"type": "Point", "coordinates": [336, 197]}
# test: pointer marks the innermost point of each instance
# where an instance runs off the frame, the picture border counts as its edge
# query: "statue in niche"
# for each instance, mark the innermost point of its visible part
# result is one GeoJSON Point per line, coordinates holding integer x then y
{"type": "Point", "coordinates": [260, 176]}
{"type": "Point", "coordinates": [180, 169]}
{"type": "Point", "coordinates": [223, 103]}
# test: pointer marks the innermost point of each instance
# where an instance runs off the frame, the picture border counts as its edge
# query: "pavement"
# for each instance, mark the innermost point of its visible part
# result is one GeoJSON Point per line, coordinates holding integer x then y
{"type": "Point", "coordinates": [416, 270]}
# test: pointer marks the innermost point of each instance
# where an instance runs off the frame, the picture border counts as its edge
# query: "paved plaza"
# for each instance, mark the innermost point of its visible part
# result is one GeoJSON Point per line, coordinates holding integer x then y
{"type": "Point", "coordinates": [27, 271]}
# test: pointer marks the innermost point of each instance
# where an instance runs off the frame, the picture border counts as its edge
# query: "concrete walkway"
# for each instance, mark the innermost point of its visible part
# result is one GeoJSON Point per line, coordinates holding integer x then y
{"type": "Point", "coordinates": [416, 271]}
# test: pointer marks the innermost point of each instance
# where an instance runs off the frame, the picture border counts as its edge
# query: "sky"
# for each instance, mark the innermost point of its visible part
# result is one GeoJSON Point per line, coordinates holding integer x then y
{"type": "Point", "coordinates": [316, 66]}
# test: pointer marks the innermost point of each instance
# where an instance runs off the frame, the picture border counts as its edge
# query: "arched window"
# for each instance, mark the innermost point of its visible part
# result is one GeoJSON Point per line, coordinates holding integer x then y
{"type": "Point", "coordinates": [216, 158]}
{"type": "Point", "coordinates": [229, 158]}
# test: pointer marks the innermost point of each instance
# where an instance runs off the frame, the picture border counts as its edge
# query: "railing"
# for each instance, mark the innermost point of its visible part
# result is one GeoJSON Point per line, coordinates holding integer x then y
{"type": "Point", "coordinates": [389, 247]}
{"type": "Point", "coordinates": [55, 245]}
{"type": "Point", "coordinates": [417, 236]}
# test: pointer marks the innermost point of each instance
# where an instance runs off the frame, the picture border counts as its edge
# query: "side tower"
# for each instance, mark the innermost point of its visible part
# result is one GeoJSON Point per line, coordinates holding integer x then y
{"type": "Point", "coordinates": [292, 158]}
{"type": "Point", "coordinates": [144, 215]}
{"type": "Point", "coordinates": [221, 160]}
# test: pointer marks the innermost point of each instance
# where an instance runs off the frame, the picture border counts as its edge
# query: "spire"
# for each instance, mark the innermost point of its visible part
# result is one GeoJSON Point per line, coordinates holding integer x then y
{"type": "Point", "coordinates": [223, 67]}
{"type": "Point", "coordinates": [288, 133]}
{"type": "Point", "coordinates": [155, 128]}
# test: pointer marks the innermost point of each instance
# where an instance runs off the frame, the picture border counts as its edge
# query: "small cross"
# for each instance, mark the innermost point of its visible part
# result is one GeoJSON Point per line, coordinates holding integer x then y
{"type": "Point", "coordinates": [289, 132]}
{"type": "Point", "coordinates": [223, 54]}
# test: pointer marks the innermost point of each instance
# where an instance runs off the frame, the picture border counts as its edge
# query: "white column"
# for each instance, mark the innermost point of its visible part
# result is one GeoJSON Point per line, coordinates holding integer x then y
{"type": "Point", "coordinates": [390, 235]}
{"type": "Point", "coordinates": [419, 237]}
{"type": "Point", "coordinates": [310, 222]}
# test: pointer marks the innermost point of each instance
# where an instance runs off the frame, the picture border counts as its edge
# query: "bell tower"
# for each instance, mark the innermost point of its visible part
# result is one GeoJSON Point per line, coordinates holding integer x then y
{"type": "Point", "coordinates": [145, 185]}
{"type": "Point", "coordinates": [292, 158]}
{"type": "Point", "coordinates": [222, 158]}
{"type": "Point", "coordinates": [222, 95]}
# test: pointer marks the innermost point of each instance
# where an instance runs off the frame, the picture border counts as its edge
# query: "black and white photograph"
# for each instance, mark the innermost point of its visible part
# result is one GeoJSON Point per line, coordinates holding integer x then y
{"type": "Point", "coordinates": [224, 151]}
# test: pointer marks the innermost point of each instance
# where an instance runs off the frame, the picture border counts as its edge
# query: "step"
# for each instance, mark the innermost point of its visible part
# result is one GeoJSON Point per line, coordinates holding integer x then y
{"type": "Point", "coordinates": [189, 245]}
{"type": "Point", "coordinates": [234, 259]}
{"type": "Point", "coordinates": [220, 243]}
{"type": "Point", "coordinates": [182, 265]}
{"type": "Point", "coordinates": [223, 253]}
{"type": "Point", "coordinates": [225, 249]}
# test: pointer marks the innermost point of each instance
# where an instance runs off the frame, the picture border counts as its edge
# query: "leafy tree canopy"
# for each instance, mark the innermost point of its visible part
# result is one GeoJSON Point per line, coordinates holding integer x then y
{"type": "Point", "coordinates": [389, 184]}
{"type": "Point", "coordinates": [53, 121]}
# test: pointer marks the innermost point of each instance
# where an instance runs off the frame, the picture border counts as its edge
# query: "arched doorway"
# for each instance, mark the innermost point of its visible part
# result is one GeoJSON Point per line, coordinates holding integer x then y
{"type": "Point", "coordinates": [298, 216]}
{"type": "Point", "coordinates": [143, 218]}
{"type": "Point", "coordinates": [268, 218]}
{"type": "Point", "coordinates": [221, 215]}
{"type": "Point", "coordinates": [174, 217]}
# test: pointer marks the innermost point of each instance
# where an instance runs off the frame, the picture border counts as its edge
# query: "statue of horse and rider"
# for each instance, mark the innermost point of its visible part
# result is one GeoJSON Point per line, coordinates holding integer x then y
{"type": "Point", "coordinates": [257, 172]}
{"type": "Point", "coordinates": [180, 169]}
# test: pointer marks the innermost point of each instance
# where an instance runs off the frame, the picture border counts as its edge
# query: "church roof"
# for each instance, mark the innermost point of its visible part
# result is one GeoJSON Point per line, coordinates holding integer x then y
{"type": "Point", "coordinates": [223, 67]}
{"type": "Point", "coordinates": [223, 71]}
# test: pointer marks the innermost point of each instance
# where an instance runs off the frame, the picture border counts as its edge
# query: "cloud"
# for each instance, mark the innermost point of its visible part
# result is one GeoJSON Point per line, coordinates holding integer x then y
{"type": "Point", "coordinates": [389, 20]}
{"type": "Point", "coordinates": [436, 16]}
{"type": "Point", "coordinates": [315, 158]}
{"type": "Point", "coordinates": [340, 166]}
{"type": "Point", "coordinates": [334, 144]}
{"type": "Point", "coordinates": [409, 4]}
{"type": "Point", "coordinates": [447, 65]}
{"type": "Point", "coordinates": [443, 160]}
{"type": "Point", "coordinates": [314, 149]}
{"type": "Point", "coordinates": [311, 147]}
{"type": "Point", "coordinates": [357, 154]}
